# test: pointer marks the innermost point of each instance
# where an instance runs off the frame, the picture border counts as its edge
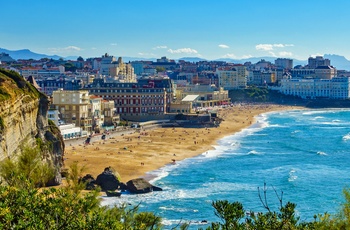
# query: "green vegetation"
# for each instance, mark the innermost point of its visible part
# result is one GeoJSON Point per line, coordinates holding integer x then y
{"type": "Point", "coordinates": [28, 170]}
{"type": "Point", "coordinates": [64, 209]}
{"type": "Point", "coordinates": [13, 85]}
{"type": "Point", "coordinates": [250, 94]}
{"type": "Point", "coordinates": [160, 69]}
{"type": "Point", "coordinates": [70, 67]}
{"type": "Point", "coordinates": [23, 206]}
{"type": "Point", "coordinates": [123, 123]}
{"type": "Point", "coordinates": [2, 125]}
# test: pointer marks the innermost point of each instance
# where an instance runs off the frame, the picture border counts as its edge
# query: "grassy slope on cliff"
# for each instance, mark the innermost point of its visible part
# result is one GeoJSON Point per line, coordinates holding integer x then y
{"type": "Point", "coordinates": [13, 85]}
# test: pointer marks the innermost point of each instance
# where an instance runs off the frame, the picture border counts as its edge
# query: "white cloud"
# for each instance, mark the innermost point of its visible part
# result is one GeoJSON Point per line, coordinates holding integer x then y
{"type": "Point", "coordinates": [94, 48]}
{"type": "Point", "coordinates": [246, 56]}
{"type": "Point", "coordinates": [68, 49]}
{"type": "Point", "coordinates": [160, 47]}
{"type": "Point", "coordinates": [265, 47]}
{"type": "Point", "coordinates": [114, 44]}
{"type": "Point", "coordinates": [268, 47]}
{"type": "Point", "coordinates": [285, 54]}
{"type": "Point", "coordinates": [146, 54]}
{"type": "Point", "coordinates": [229, 56]}
{"type": "Point", "coordinates": [183, 50]}
{"type": "Point", "coordinates": [224, 46]}
{"type": "Point", "coordinates": [316, 54]}
{"type": "Point", "coordinates": [272, 54]}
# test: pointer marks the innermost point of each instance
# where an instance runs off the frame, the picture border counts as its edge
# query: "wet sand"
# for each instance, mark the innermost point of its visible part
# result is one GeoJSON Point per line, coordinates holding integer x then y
{"type": "Point", "coordinates": [133, 154]}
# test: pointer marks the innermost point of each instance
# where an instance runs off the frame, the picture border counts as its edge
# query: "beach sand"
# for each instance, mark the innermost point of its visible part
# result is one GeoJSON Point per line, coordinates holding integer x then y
{"type": "Point", "coordinates": [133, 155]}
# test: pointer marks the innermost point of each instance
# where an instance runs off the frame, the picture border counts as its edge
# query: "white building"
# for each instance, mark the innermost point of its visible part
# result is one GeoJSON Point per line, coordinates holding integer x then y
{"type": "Point", "coordinates": [335, 88]}
{"type": "Point", "coordinates": [70, 131]}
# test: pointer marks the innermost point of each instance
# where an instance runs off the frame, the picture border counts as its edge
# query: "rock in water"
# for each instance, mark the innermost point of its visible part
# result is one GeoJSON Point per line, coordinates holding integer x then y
{"type": "Point", "coordinates": [140, 185]}
{"type": "Point", "coordinates": [108, 180]}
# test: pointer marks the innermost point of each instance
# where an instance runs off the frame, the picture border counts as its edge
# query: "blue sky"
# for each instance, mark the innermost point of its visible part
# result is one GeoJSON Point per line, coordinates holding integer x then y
{"type": "Point", "coordinates": [183, 28]}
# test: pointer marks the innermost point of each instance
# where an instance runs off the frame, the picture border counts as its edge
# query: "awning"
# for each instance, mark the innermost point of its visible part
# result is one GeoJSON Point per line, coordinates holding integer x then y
{"type": "Point", "coordinates": [190, 98]}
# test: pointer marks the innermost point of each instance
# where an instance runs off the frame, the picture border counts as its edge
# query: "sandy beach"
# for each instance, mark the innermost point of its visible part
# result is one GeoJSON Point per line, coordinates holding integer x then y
{"type": "Point", "coordinates": [133, 154]}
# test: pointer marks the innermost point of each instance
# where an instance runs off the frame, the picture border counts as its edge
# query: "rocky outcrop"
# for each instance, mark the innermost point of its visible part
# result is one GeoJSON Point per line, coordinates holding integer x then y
{"type": "Point", "coordinates": [89, 181]}
{"type": "Point", "coordinates": [24, 123]}
{"type": "Point", "coordinates": [108, 180]}
{"type": "Point", "coordinates": [140, 185]}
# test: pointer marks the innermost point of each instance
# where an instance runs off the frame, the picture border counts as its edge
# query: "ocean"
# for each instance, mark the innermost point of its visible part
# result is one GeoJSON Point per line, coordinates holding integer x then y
{"type": "Point", "coordinates": [303, 153]}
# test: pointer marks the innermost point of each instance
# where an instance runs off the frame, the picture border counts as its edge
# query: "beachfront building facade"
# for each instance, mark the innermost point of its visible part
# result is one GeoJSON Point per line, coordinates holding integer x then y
{"type": "Point", "coordinates": [232, 77]}
{"type": "Point", "coordinates": [335, 88]}
{"type": "Point", "coordinates": [73, 106]}
{"type": "Point", "coordinates": [139, 101]}
{"type": "Point", "coordinates": [207, 95]}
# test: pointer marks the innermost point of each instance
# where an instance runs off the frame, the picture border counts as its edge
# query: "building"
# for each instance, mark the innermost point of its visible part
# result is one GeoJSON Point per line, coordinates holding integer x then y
{"type": "Point", "coordinates": [49, 85]}
{"type": "Point", "coordinates": [262, 78]}
{"type": "Point", "coordinates": [149, 98]}
{"type": "Point", "coordinates": [325, 72]}
{"type": "Point", "coordinates": [232, 77]}
{"type": "Point", "coordinates": [73, 107]}
{"type": "Point", "coordinates": [285, 63]}
{"type": "Point", "coordinates": [313, 63]}
{"type": "Point", "coordinates": [207, 95]}
{"type": "Point", "coordinates": [138, 67]}
{"type": "Point", "coordinates": [111, 117]}
{"type": "Point", "coordinates": [302, 73]}
{"type": "Point", "coordinates": [335, 88]}
{"type": "Point", "coordinates": [70, 131]}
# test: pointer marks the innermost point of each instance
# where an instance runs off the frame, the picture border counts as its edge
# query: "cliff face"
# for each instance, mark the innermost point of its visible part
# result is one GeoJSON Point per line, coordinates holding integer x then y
{"type": "Point", "coordinates": [23, 121]}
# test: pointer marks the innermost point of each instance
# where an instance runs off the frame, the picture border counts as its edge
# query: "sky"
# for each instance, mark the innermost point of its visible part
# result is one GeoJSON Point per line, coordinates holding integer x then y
{"type": "Point", "coordinates": [209, 29]}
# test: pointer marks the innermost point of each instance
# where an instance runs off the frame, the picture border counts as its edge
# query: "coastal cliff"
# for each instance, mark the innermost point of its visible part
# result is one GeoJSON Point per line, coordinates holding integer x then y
{"type": "Point", "coordinates": [24, 122]}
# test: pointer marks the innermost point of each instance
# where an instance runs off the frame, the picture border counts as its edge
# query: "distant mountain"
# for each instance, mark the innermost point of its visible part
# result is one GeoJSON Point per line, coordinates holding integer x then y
{"type": "Point", "coordinates": [339, 62]}
{"type": "Point", "coordinates": [27, 54]}
{"type": "Point", "coordinates": [127, 59]}
{"type": "Point", "coordinates": [71, 58]}
{"type": "Point", "coordinates": [257, 59]}
{"type": "Point", "coordinates": [192, 59]}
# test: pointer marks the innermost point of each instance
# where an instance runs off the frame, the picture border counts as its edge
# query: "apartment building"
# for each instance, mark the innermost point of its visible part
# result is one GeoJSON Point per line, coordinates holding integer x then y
{"type": "Point", "coordinates": [285, 63]}
{"type": "Point", "coordinates": [232, 77]}
{"type": "Point", "coordinates": [262, 78]}
{"type": "Point", "coordinates": [313, 63]}
{"type": "Point", "coordinates": [73, 107]}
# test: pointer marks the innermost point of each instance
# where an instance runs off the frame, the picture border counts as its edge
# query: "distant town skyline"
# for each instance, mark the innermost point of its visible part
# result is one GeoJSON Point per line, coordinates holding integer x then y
{"type": "Point", "coordinates": [183, 28]}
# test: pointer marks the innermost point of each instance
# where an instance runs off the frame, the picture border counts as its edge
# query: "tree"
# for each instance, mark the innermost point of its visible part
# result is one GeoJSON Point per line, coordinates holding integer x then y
{"type": "Point", "coordinates": [160, 69]}
{"type": "Point", "coordinates": [67, 208]}
{"type": "Point", "coordinates": [233, 216]}
{"type": "Point", "coordinates": [30, 169]}
{"type": "Point", "coordinates": [69, 67]}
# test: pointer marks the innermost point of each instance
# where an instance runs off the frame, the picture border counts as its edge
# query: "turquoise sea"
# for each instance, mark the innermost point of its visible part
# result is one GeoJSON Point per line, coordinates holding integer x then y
{"type": "Point", "coordinates": [304, 153]}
